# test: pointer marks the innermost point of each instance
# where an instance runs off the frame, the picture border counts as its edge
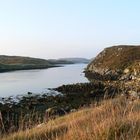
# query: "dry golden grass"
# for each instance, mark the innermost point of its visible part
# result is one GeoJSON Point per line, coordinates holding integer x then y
{"type": "Point", "coordinates": [115, 119]}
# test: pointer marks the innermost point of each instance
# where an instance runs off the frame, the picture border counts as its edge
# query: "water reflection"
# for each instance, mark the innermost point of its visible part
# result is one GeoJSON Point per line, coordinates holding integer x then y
{"type": "Point", "coordinates": [20, 82]}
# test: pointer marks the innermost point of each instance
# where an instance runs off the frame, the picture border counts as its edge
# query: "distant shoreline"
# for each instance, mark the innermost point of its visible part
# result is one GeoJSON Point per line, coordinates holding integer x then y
{"type": "Point", "coordinates": [14, 63]}
{"type": "Point", "coordinates": [39, 68]}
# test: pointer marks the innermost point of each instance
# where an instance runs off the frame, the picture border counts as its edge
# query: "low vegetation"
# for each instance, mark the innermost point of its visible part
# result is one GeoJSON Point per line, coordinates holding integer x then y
{"type": "Point", "coordinates": [114, 119]}
{"type": "Point", "coordinates": [116, 57]}
{"type": "Point", "coordinates": [10, 63]}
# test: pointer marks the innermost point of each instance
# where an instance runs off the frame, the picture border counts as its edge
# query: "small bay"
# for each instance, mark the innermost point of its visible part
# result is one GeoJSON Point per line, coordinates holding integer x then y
{"type": "Point", "coordinates": [38, 81]}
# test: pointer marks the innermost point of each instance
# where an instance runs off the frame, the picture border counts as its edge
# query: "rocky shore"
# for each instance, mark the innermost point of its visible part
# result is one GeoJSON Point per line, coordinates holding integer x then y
{"type": "Point", "coordinates": [34, 109]}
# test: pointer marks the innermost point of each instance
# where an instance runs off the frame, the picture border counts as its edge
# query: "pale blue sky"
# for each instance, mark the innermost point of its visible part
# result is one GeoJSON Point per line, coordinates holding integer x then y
{"type": "Point", "coordinates": [67, 28]}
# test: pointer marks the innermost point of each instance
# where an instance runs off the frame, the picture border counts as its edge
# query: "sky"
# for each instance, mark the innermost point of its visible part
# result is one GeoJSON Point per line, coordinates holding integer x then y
{"type": "Point", "coordinates": [67, 28]}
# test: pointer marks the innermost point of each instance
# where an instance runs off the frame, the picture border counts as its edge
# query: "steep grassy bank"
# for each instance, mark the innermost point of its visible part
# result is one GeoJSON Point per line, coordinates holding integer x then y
{"type": "Point", "coordinates": [115, 119]}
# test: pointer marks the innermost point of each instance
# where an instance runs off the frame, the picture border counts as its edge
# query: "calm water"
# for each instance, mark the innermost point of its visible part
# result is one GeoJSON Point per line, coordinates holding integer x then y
{"type": "Point", "coordinates": [37, 81]}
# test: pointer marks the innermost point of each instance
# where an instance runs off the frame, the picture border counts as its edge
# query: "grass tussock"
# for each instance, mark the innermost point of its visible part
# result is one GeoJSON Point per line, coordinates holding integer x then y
{"type": "Point", "coordinates": [115, 119]}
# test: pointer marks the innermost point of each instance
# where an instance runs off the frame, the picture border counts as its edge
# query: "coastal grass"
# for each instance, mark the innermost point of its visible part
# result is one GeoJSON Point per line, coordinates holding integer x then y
{"type": "Point", "coordinates": [113, 119]}
{"type": "Point", "coordinates": [117, 57]}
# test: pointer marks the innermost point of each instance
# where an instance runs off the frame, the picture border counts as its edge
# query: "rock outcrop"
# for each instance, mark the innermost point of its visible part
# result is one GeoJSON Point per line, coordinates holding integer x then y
{"type": "Point", "coordinates": [118, 64]}
{"type": "Point", "coordinates": [113, 62]}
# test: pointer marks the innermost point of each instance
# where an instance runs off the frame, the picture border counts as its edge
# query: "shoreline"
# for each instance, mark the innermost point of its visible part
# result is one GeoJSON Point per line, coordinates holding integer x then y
{"type": "Point", "coordinates": [38, 68]}
{"type": "Point", "coordinates": [71, 97]}
{"type": "Point", "coordinates": [33, 84]}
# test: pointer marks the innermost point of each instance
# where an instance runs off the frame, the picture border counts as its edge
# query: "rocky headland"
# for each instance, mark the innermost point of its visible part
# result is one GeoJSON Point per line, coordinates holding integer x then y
{"type": "Point", "coordinates": [118, 64]}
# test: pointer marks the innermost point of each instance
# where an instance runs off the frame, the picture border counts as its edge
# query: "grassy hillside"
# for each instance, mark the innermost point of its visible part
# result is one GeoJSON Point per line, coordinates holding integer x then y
{"type": "Point", "coordinates": [115, 119]}
{"type": "Point", "coordinates": [111, 63]}
{"type": "Point", "coordinates": [9, 63]}
{"type": "Point", "coordinates": [116, 57]}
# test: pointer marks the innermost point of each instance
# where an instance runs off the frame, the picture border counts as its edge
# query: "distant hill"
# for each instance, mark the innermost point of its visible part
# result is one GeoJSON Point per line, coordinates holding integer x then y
{"type": "Point", "coordinates": [69, 60]}
{"type": "Point", "coordinates": [9, 63]}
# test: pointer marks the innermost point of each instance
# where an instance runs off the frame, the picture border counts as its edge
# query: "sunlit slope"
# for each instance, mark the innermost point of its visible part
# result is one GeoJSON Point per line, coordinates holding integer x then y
{"type": "Point", "coordinates": [114, 119]}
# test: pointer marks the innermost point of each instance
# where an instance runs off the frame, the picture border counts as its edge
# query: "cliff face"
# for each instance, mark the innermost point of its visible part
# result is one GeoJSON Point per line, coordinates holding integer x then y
{"type": "Point", "coordinates": [114, 62]}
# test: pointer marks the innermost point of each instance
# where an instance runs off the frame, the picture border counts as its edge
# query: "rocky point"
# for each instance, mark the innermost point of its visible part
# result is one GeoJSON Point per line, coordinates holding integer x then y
{"type": "Point", "coordinates": [118, 64]}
